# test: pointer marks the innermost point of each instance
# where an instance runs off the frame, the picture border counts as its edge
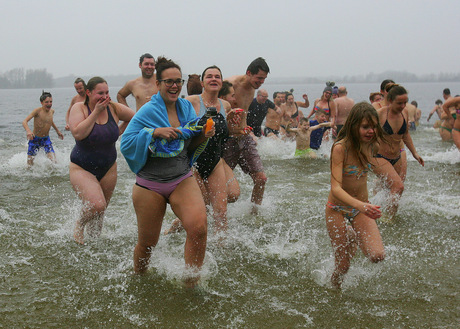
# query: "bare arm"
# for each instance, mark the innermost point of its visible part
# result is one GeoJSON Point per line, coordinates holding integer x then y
{"type": "Point", "coordinates": [337, 191]}
{"type": "Point", "coordinates": [313, 109]}
{"type": "Point", "coordinates": [80, 126]}
{"type": "Point", "coordinates": [25, 124]}
{"type": "Point", "coordinates": [304, 104]}
{"type": "Point", "coordinates": [451, 102]}
{"type": "Point", "coordinates": [333, 113]}
{"type": "Point", "coordinates": [124, 92]}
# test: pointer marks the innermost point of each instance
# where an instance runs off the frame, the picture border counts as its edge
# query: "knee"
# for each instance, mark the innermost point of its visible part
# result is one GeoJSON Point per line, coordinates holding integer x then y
{"type": "Point", "coordinates": [96, 207]}
{"type": "Point", "coordinates": [398, 187]}
{"type": "Point", "coordinates": [233, 196]}
{"type": "Point", "coordinates": [199, 231]}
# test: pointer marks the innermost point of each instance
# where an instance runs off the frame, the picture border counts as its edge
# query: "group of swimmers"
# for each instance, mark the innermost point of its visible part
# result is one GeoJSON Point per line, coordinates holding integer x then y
{"type": "Point", "coordinates": [183, 152]}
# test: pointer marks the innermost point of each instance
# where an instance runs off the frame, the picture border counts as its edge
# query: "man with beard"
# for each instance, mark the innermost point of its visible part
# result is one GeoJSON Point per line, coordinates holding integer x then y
{"type": "Point", "coordinates": [80, 88]}
{"type": "Point", "coordinates": [143, 87]}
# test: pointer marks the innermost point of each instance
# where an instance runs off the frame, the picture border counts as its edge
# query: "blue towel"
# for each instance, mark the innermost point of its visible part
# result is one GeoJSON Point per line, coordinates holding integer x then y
{"type": "Point", "coordinates": [138, 136]}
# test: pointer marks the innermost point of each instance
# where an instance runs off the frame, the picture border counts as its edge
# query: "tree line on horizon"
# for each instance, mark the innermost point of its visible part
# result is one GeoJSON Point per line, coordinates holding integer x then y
{"type": "Point", "coordinates": [18, 78]}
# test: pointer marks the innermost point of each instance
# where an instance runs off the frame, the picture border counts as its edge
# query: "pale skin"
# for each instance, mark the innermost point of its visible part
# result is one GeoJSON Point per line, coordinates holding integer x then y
{"type": "Point", "coordinates": [273, 120]}
{"type": "Point", "coordinates": [80, 97]}
{"type": "Point", "coordinates": [245, 87]}
{"type": "Point", "coordinates": [43, 121]}
{"type": "Point", "coordinates": [94, 194]}
{"type": "Point", "coordinates": [303, 133]}
{"type": "Point", "coordinates": [411, 112]}
{"type": "Point", "coordinates": [349, 190]}
{"type": "Point", "coordinates": [143, 87]}
{"type": "Point", "coordinates": [288, 109]}
{"type": "Point", "coordinates": [396, 113]}
{"type": "Point", "coordinates": [453, 103]}
{"type": "Point", "coordinates": [186, 200]}
{"type": "Point", "coordinates": [325, 101]}
{"type": "Point", "coordinates": [344, 105]}
{"type": "Point", "coordinates": [221, 186]}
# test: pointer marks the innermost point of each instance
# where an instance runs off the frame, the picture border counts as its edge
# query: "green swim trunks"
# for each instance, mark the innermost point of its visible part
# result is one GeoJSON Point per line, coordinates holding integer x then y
{"type": "Point", "coordinates": [303, 153]}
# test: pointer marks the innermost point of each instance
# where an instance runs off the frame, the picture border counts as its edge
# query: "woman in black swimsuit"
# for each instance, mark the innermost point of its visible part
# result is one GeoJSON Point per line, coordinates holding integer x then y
{"type": "Point", "coordinates": [391, 155]}
{"type": "Point", "coordinates": [93, 167]}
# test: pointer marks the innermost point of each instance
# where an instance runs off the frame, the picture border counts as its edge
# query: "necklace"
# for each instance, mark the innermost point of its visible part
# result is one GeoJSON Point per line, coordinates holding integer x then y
{"type": "Point", "coordinates": [209, 104]}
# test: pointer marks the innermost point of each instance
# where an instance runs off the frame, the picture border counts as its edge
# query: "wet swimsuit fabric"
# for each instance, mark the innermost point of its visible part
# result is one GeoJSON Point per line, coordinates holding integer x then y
{"type": "Point", "coordinates": [97, 153]}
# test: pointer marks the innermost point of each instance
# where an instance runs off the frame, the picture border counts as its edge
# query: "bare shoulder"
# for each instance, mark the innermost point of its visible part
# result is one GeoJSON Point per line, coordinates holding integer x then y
{"type": "Point", "coordinates": [226, 105]}
{"type": "Point", "coordinates": [234, 79]}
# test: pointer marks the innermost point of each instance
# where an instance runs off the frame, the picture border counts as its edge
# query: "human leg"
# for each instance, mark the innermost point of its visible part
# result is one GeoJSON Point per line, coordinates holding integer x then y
{"type": "Point", "coordinates": [108, 183]}
{"type": "Point", "coordinates": [217, 191]}
{"type": "Point", "coordinates": [338, 233]}
{"type": "Point", "coordinates": [187, 203]}
{"type": "Point", "coordinates": [89, 189]}
{"type": "Point", "coordinates": [388, 175]}
{"type": "Point", "coordinates": [233, 187]}
{"type": "Point", "coordinates": [150, 208]}
{"type": "Point", "coordinates": [369, 238]}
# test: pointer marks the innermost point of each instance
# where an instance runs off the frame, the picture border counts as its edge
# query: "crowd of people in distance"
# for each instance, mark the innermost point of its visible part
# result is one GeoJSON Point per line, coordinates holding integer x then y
{"type": "Point", "coordinates": [184, 150]}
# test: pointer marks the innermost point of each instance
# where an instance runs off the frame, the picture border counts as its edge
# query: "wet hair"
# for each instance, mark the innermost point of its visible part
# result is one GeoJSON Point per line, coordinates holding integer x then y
{"type": "Point", "coordinates": [258, 64]}
{"type": "Point", "coordinates": [446, 91]}
{"type": "Point", "coordinates": [349, 134]}
{"type": "Point", "coordinates": [92, 83]}
{"type": "Point", "coordinates": [225, 90]}
{"type": "Point", "coordinates": [394, 90]}
{"type": "Point", "coordinates": [164, 63]}
{"type": "Point", "coordinates": [438, 102]}
{"type": "Point", "coordinates": [45, 95]}
{"type": "Point", "coordinates": [288, 94]}
{"type": "Point", "coordinates": [384, 84]}
{"type": "Point", "coordinates": [304, 119]}
{"type": "Point", "coordinates": [275, 94]}
{"type": "Point", "coordinates": [78, 80]}
{"type": "Point", "coordinates": [372, 96]}
{"type": "Point", "coordinates": [211, 67]}
{"type": "Point", "coordinates": [414, 103]}
{"type": "Point", "coordinates": [146, 55]}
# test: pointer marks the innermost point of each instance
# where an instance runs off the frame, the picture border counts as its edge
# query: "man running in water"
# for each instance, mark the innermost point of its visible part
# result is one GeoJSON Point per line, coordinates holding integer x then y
{"type": "Point", "coordinates": [241, 147]}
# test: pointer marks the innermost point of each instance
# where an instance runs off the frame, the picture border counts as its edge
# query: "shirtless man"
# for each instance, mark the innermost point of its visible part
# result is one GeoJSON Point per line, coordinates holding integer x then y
{"type": "Point", "coordinates": [241, 147]}
{"type": "Point", "coordinates": [143, 87]}
{"type": "Point", "coordinates": [80, 88]}
{"type": "Point", "coordinates": [343, 107]}
{"type": "Point", "coordinates": [412, 111]}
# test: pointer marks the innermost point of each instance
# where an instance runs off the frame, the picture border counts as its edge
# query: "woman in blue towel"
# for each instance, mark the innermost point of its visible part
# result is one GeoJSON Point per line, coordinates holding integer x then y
{"type": "Point", "coordinates": [164, 176]}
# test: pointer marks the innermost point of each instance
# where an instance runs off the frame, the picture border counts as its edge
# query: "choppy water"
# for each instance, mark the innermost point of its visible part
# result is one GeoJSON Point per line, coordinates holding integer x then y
{"type": "Point", "coordinates": [272, 271]}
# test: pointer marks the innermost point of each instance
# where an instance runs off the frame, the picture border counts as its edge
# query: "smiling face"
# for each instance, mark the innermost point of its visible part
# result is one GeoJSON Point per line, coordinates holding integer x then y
{"type": "Point", "coordinates": [212, 80]}
{"type": "Point", "coordinates": [257, 80]}
{"type": "Point", "coordinates": [399, 103]}
{"type": "Point", "coordinates": [367, 131]}
{"type": "Point", "coordinates": [170, 94]}
{"type": "Point", "coordinates": [147, 67]}
{"type": "Point", "coordinates": [99, 93]}
{"type": "Point", "coordinates": [290, 100]}
{"type": "Point", "coordinates": [80, 89]}
{"type": "Point", "coordinates": [47, 103]}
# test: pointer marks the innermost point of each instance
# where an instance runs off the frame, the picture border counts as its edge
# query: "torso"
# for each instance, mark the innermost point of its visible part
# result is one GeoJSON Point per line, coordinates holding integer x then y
{"type": "Point", "coordinates": [42, 122]}
{"type": "Point", "coordinates": [394, 126]}
{"type": "Point", "coordinates": [142, 91]}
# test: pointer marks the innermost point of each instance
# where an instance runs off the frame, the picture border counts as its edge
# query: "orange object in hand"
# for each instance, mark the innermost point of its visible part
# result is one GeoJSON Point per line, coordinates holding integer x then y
{"type": "Point", "coordinates": [209, 125]}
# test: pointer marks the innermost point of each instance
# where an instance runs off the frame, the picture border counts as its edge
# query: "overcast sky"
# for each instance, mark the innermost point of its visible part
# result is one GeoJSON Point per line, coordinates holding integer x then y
{"type": "Point", "coordinates": [296, 37]}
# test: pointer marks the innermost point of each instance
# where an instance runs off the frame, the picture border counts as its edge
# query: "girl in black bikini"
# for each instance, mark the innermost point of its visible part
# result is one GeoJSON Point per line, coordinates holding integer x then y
{"type": "Point", "coordinates": [393, 119]}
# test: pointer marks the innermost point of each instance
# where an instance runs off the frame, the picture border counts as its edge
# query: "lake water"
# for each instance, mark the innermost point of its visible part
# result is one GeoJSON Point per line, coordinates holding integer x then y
{"type": "Point", "coordinates": [272, 271]}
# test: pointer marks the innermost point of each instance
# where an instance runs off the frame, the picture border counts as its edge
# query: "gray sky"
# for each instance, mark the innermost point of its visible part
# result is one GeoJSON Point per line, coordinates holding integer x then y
{"type": "Point", "coordinates": [296, 37]}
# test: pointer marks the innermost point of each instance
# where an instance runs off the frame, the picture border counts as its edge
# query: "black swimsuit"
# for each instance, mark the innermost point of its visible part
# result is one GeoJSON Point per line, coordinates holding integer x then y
{"type": "Point", "coordinates": [387, 128]}
{"type": "Point", "coordinates": [96, 153]}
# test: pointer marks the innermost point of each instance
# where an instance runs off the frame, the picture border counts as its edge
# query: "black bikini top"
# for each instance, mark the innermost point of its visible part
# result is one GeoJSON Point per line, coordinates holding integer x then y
{"type": "Point", "coordinates": [387, 128]}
